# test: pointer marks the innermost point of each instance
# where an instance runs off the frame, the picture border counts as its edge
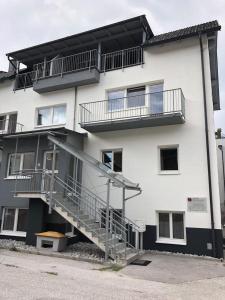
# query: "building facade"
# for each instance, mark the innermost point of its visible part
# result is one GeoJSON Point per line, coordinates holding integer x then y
{"type": "Point", "coordinates": [139, 103]}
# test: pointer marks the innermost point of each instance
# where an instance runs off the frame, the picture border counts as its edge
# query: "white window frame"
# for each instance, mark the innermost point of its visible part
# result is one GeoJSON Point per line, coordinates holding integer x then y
{"type": "Point", "coordinates": [45, 158]}
{"type": "Point", "coordinates": [13, 232]}
{"type": "Point", "coordinates": [21, 165]}
{"type": "Point", "coordinates": [125, 97]}
{"type": "Point", "coordinates": [52, 107]}
{"type": "Point", "coordinates": [113, 151]}
{"type": "Point", "coordinates": [7, 115]}
{"type": "Point", "coordinates": [171, 240]}
{"type": "Point", "coordinates": [168, 172]}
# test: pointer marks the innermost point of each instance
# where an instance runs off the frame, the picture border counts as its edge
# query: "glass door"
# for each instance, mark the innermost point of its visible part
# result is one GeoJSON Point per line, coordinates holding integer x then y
{"type": "Point", "coordinates": [47, 166]}
{"type": "Point", "coordinates": [156, 99]}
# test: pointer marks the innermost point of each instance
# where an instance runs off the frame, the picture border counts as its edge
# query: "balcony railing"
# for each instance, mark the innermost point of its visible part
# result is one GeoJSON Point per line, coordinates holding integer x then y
{"type": "Point", "coordinates": [24, 80]}
{"type": "Point", "coordinates": [122, 59]}
{"type": "Point", "coordinates": [102, 115]}
{"type": "Point", "coordinates": [9, 125]}
{"type": "Point", "coordinates": [78, 62]}
{"type": "Point", "coordinates": [59, 66]}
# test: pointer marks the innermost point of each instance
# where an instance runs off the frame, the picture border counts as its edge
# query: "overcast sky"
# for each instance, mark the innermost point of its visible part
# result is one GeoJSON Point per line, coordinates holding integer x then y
{"type": "Point", "coordinates": [28, 22]}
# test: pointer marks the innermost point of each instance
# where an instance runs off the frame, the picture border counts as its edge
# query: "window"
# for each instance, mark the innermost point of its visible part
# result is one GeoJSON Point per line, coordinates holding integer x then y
{"type": "Point", "coordinates": [51, 115]}
{"type": "Point", "coordinates": [115, 100]}
{"type": "Point", "coordinates": [8, 122]}
{"type": "Point", "coordinates": [48, 159]}
{"type": "Point", "coordinates": [171, 226]}
{"type": "Point", "coordinates": [169, 159]}
{"type": "Point", "coordinates": [2, 122]}
{"type": "Point", "coordinates": [156, 98]}
{"type": "Point", "coordinates": [113, 159]}
{"type": "Point", "coordinates": [20, 161]}
{"type": "Point", "coordinates": [136, 97]}
{"type": "Point", "coordinates": [14, 221]}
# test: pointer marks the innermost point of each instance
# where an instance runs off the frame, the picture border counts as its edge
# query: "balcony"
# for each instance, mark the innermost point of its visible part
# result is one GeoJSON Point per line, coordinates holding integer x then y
{"type": "Point", "coordinates": [145, 110]}
{"type": "Point", "coordinates": [9, 125]}
{"type": "Point", "coordinates": [76, 70]}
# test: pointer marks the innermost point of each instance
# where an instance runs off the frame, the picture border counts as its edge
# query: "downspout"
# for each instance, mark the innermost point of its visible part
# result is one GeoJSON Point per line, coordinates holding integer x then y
{"type": "Point", "coordinates": [207, 149]}
{"type": "Point", "coordinates": [75, 108]}
{"type": "Point", "coordinates": [221, 149]}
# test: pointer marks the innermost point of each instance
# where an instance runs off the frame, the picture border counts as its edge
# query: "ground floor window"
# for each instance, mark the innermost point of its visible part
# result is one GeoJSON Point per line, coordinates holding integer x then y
{"type": "Point", "coordinates": [171, 227]}
{"type": "Point", "coordinates": [14, 221]}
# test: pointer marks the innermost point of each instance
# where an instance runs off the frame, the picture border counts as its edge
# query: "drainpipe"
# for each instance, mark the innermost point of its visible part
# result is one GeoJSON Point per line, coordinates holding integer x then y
{"type": "Point", "coordinates": [75, 109]}
{"type": "Point", "coordinates": [221, 149]}
{"type": "Point", "coordinates": [207, 148]}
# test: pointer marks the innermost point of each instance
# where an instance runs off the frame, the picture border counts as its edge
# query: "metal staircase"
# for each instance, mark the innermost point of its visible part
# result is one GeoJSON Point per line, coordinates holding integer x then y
{"type": "Point", "coordinates": [111, 232]}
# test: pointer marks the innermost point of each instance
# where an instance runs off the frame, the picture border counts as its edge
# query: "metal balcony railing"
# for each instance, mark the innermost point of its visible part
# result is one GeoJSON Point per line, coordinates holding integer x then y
{"type": "Point", "coordinates": [63, 65]}
{"type": "Point", "coordinates": [122, 59]}
{"type": "Point", "coordinates": [81, 61]}
{"type": "Point", "coordinates": [24, 80]}
{"type": "Point", "coordinates": [139, 106]}
{"type": "Point", "coordinates": [9, 125]}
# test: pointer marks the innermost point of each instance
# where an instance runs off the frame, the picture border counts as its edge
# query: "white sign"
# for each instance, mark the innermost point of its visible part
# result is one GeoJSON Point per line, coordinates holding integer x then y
{"type": "Point", "coordinates": [141, 225]}
{"type": "Point", "coordinates": [197, 204]}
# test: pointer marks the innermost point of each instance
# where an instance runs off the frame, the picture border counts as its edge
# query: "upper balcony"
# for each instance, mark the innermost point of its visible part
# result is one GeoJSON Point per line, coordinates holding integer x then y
{"type": "Point", "coordinates": [145, 110]}
{"type": "Point", "coordinates": [61, 73]}
{"type": "Point", "coordinates": [76, 70]}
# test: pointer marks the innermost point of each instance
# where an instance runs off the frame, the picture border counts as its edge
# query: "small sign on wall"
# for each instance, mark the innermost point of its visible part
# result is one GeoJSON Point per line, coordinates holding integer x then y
{"type": "Point", "coordinates": [197, 204]}
{"type": "Point", "coordinates": [141, 224]}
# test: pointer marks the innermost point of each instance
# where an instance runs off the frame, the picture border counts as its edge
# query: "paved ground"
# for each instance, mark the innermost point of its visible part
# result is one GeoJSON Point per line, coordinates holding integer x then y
{"type": "Point", "coordinates": [26, 276]}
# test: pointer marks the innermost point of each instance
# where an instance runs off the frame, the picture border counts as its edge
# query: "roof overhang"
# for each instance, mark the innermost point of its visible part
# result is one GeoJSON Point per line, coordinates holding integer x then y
{"type": "Point", "coordinates": [213, 60]}
{"type": "Point", "coordinates": [128, 31]}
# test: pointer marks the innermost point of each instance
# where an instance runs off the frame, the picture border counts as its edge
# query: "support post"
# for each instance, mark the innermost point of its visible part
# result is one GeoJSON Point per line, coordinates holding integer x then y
{"type": "Point", "coordinates": [99, 56]}
{"type": "Point", "coordinates": [123, 213]}
{"type": "Point", "coordinates": [107, 222]}
{"type": "Point", "coordinates": [52, 179]}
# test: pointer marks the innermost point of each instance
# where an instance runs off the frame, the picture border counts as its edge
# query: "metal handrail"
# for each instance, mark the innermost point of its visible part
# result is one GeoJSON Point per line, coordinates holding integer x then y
{"type": "Point", "coordinates": [169, 101]}
{"type": "Point", "coordinates": [91, 204]}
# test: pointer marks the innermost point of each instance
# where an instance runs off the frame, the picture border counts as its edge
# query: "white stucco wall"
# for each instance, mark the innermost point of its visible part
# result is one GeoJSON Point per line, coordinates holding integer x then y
{"type": "Point", "coordinates": [179, 66]}
{"type": "Point", "coordinates": [25, 102]}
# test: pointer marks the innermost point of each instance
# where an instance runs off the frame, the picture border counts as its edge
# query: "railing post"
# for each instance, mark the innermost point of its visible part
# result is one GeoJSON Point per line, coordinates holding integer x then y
{"type": "Point", "coordinates": [122, 59]}
{"type": "Point", "coordinates": [90, 60]}
{"type": "Point", "coordinates": [52, 179]}
{"type": "Point", "coordinates": [107, 222]}
{"type": "Point", "coordinates": [44, 68]}
{"type": "Point", "coordinates": [104, 62]}
{"type": "Point", "coordinates": [25, 81]}
{"type": "Point", "coordinates": [99, 56]}
{"type": "Point", "coordinates": [136, 239]}
{"type": "Point", "coordinates": [62, 67]}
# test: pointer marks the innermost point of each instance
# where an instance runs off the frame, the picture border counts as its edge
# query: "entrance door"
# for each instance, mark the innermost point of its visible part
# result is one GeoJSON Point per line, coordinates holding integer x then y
{"type": "Point", "coordinates": [47, 166]}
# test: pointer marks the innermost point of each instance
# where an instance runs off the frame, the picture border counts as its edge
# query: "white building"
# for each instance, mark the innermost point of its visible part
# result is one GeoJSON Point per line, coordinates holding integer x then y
{"type": "Point", "coordinates": [140, 103]}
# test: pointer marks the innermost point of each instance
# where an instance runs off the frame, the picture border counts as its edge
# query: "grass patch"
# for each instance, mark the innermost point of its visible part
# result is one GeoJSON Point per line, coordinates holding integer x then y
{"type": "Point", "coordinates": [51, 273]}
{"type": "Point", "coordinates": [12, 266]}
{"type": "Point", "coordinates": [114, 268]}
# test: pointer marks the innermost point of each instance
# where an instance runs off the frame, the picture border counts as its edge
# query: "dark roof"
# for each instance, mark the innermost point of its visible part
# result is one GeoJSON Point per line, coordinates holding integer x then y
{"type": "Point", "coordinates": [6, 75]}
{"type": "Point", "coordinates": [123, 32]}
{"type": "Point", "coordinates": [184, 33]}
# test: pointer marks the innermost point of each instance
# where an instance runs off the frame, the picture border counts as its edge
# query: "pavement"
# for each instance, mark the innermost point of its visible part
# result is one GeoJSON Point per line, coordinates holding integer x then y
{"type": "Point", "coordinates": [28, 276]}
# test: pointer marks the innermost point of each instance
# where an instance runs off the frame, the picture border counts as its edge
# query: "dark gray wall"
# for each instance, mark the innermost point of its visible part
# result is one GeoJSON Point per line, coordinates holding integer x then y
{"type": "Point", "coordinates": [29, 144]}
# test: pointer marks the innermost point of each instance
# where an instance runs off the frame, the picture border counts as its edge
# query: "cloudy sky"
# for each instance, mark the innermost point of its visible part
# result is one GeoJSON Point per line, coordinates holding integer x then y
{"type": "Point", "coordinates": [28, 22]}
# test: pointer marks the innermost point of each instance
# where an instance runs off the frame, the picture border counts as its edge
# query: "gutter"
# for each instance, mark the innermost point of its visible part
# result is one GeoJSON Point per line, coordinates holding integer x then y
{"type": "Point", "coordinates": [207, 149]}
